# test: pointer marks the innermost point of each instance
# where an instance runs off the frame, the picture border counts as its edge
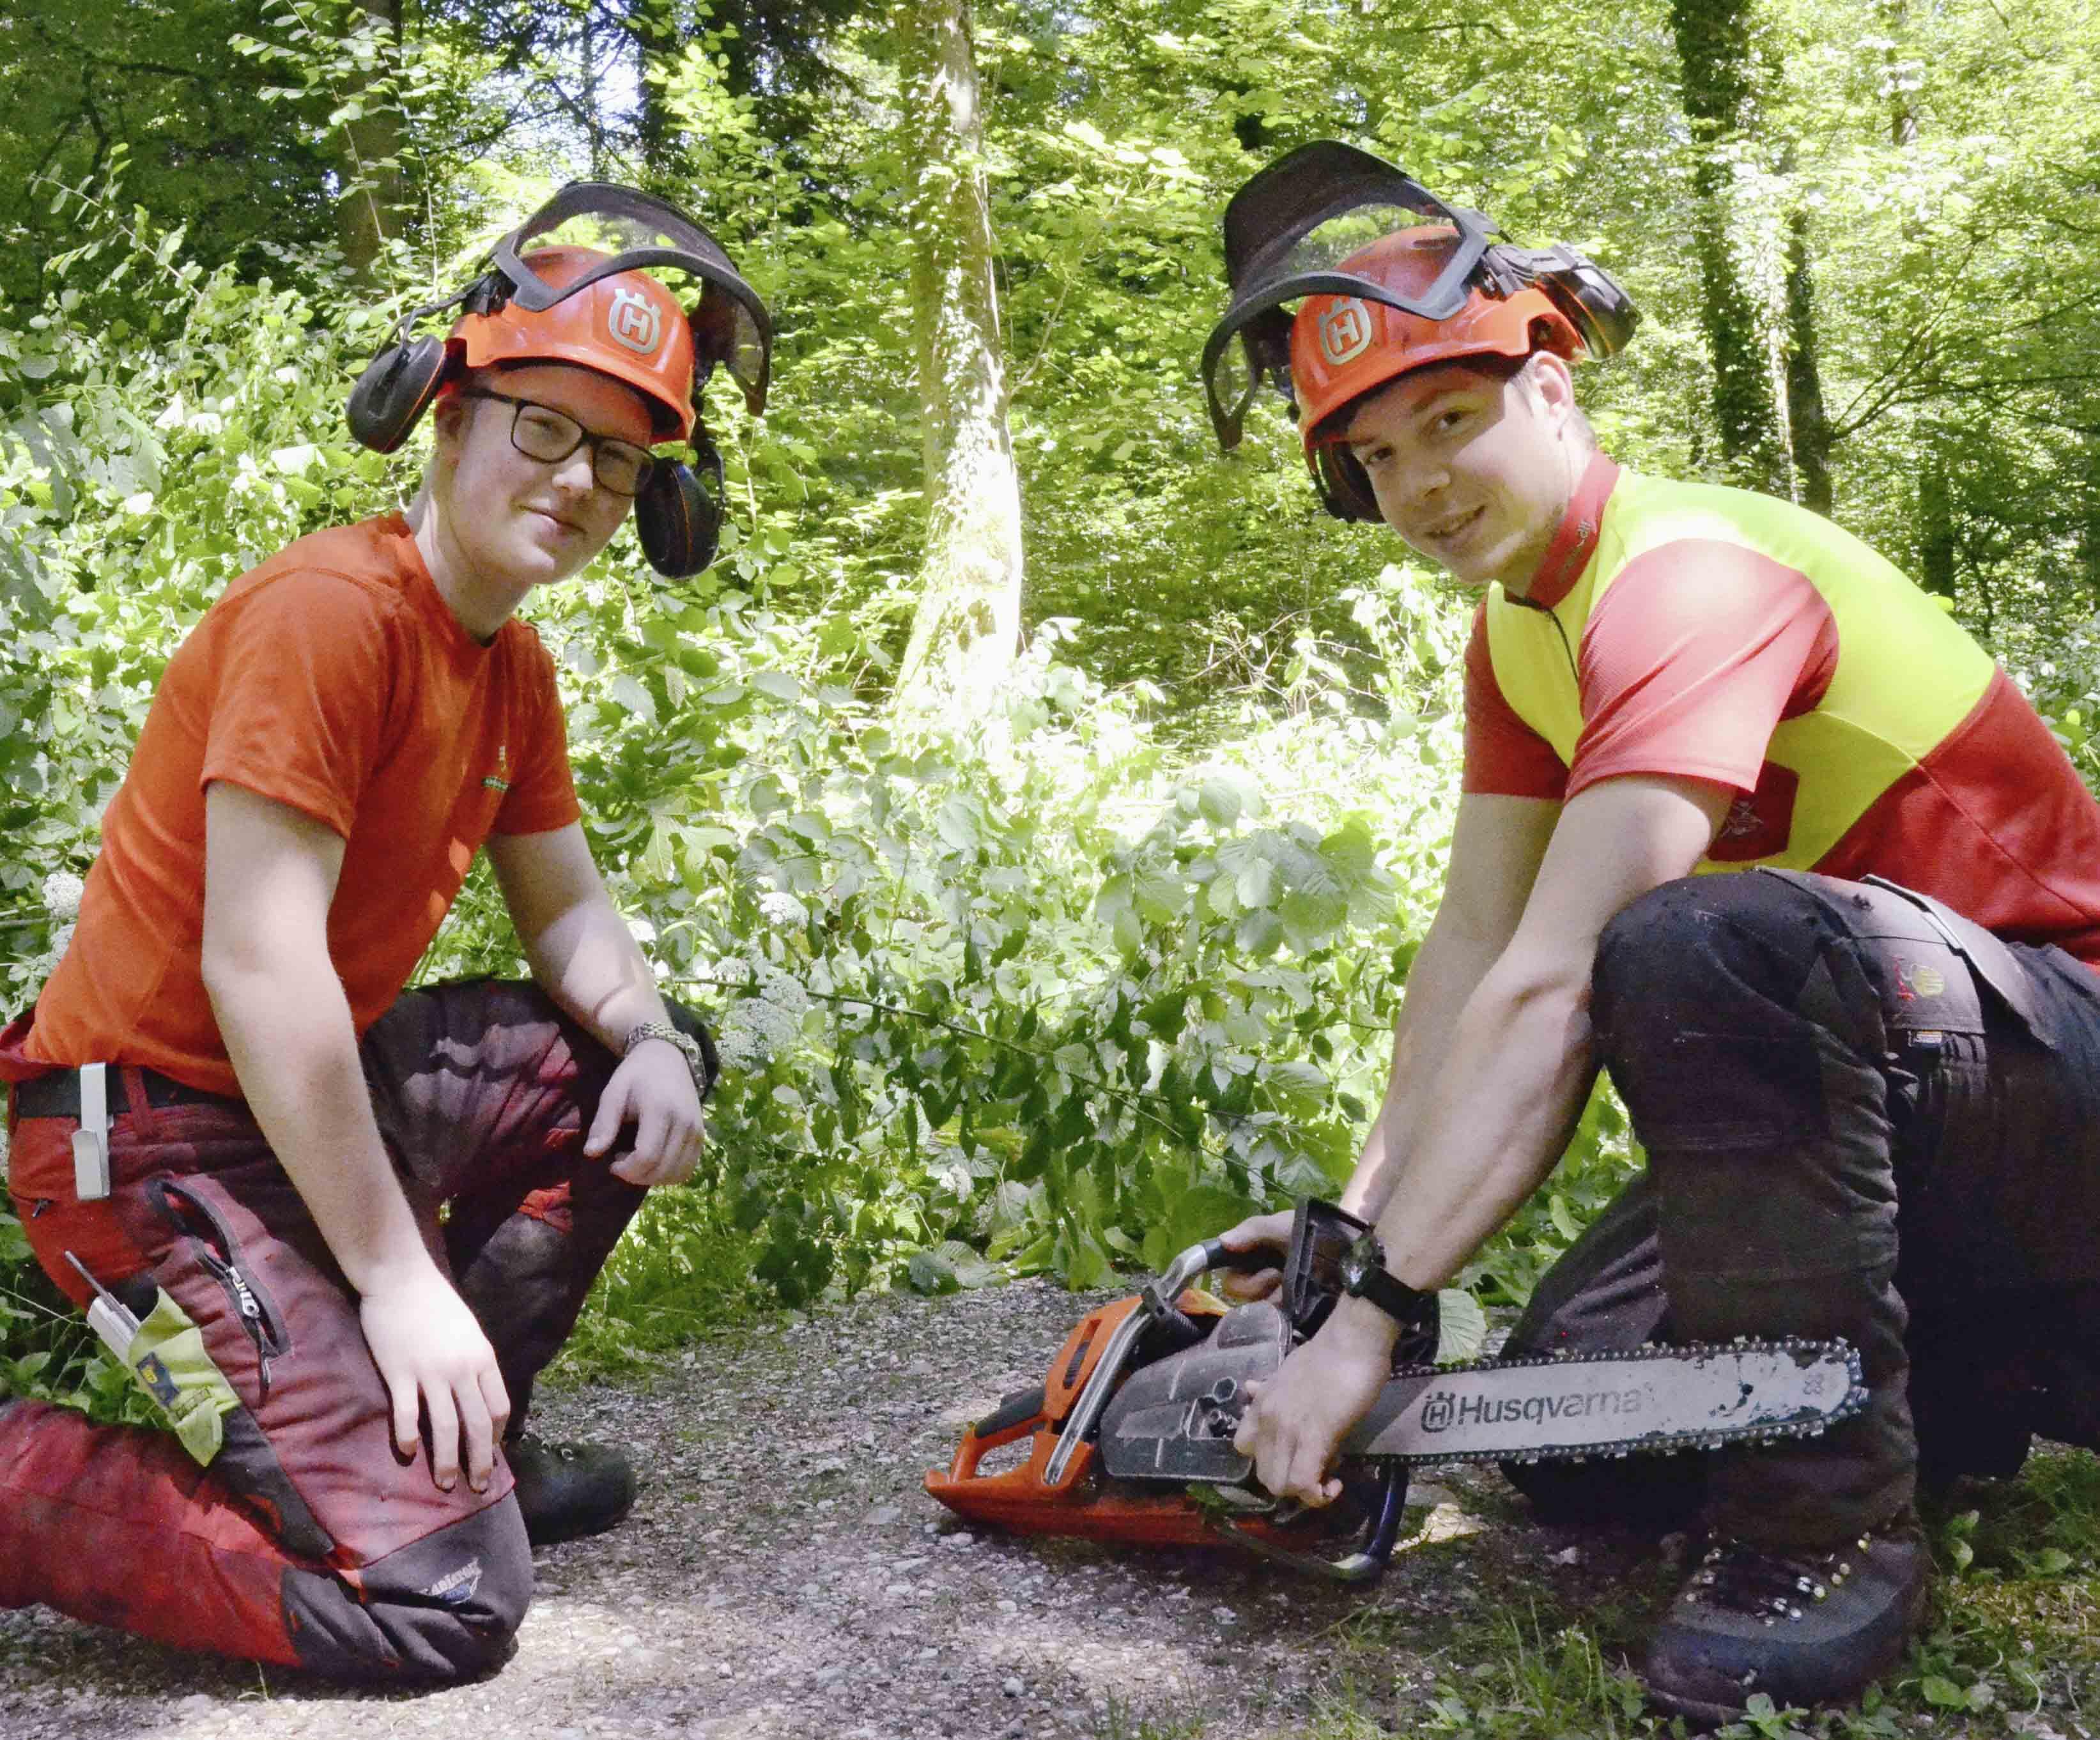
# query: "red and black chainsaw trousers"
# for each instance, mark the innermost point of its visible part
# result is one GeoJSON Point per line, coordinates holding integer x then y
{"type": "Point", "coordinates": [1862, 1118]}
{"type": "Point", "coordinates": [307, 1540]}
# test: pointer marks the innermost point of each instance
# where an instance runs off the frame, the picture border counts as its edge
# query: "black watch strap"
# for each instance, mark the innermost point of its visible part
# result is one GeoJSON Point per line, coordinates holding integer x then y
{"type": "Point", "coordinates": [1365, 1277]}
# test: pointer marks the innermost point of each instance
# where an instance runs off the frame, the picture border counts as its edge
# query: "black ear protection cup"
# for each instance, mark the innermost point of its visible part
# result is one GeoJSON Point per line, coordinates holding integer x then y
{"type": "Point", "coordinates": [1583, 291]}
{"type": "Point", "coordinates": [678, 514]}
{"type": "Point", "coordinates": [399, 384]}
{"type": "Point", "coordinates": [394, 392]}
{"type": "Point", "coordinates": [1344, 486]}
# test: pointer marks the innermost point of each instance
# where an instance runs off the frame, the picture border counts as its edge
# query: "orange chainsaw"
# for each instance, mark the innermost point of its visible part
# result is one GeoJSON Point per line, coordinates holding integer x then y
{"type": "Point", "coordinates": [1130, 1436]}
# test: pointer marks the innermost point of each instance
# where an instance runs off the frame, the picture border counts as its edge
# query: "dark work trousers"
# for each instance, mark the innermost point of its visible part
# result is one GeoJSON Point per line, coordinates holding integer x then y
{"type": "Point", "coordinates": [1864, 1120]}
{"type": "Point", "coordinates": [307, 1540]}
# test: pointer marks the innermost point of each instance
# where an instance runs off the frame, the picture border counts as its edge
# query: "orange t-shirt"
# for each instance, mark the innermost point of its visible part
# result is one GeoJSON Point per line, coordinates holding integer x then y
{"type": "Point", "coordinates": [335, 680]}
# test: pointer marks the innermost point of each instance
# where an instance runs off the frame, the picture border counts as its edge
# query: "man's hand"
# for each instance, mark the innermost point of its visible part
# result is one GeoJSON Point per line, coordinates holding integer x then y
{"type": "Point", "coordinates": [1296, 1421]}
{"type": "Point", "coordinates": [1255, 1233]}
{"type": "Point", "coordinates": [432, 1357]}
{"type": "Point", "coordinates": [652, 1090]}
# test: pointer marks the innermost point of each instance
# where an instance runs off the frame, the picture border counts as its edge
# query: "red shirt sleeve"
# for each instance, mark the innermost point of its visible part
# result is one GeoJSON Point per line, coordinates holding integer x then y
{"type": "Point", "coordinates": [1504, 756]}
{"type": "Point", "coordinates": [1699, 648]}
{"type": "Point", "coordinates": [543, 794]}
{"type": "Point", "coordinates": [299, 695]}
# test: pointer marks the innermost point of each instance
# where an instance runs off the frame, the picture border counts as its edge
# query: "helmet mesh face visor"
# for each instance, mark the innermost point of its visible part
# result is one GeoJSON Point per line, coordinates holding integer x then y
{"type": "Point", "coordinates": [1293, 231]}
{"type": "Point", "coordinates": [730, 325]}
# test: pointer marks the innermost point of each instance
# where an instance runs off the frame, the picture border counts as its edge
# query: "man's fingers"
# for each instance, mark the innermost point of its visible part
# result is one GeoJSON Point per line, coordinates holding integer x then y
{"type": "Point", "coordinates": [476, 1434]}
{"type": "Point", "coordinates": [1239, 1285]}
{"type": "Point", "coordinates": [401, 1394]}
{"type": "Point", "coordinates": [496, 1397]}
{"type": "Point", "coordinates": [611, 1114]}
{"type": "Point", "coordinates": [444, 1437]}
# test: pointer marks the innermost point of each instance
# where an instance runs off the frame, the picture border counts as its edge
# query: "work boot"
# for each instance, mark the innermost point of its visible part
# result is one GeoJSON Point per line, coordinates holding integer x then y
{"type": "Point", "coordinates": [568, 1491]}
{"type": "Point", "coordinates": [1803, 1628]}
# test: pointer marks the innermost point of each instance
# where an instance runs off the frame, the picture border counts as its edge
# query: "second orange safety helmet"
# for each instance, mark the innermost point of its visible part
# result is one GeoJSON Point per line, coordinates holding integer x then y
{"type": "Point", "coordinates": [629, 326]}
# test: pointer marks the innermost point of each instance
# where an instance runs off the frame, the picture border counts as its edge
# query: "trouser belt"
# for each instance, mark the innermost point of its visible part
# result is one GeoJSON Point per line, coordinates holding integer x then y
{"type": "Point", "coordinates": [57, 1094]}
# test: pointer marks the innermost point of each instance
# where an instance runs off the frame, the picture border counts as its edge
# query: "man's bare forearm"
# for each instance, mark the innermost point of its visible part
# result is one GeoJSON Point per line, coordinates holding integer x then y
{"type": "Point", "coordinates": [1448, 968]}
{"type": "Point", "coordinates": [588, 961]}
{"type": "Point", "coordinates": [288, 1030]}
{"type": "Point", "coordinates": [1508, 1092]}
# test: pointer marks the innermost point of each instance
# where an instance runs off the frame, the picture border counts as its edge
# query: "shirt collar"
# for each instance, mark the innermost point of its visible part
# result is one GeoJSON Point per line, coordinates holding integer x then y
{"type": "Point", "coordinates": [1575, 542]}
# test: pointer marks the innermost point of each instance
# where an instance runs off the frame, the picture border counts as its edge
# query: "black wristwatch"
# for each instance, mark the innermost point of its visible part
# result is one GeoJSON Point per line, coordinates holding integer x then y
{"type": "Point", "coordinates": [1364, 1275]}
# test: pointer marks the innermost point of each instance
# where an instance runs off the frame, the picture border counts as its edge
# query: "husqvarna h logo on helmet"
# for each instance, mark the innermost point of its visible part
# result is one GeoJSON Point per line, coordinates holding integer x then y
{"type": "Point", "coordinates": [1345, 330]}
{"type": "Point", "coordinates": [633, 321]}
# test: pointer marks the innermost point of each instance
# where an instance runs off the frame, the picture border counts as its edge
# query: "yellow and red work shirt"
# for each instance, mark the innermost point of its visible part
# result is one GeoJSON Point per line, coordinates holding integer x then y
{"type": "Point", "coordinates": [1698, 632]}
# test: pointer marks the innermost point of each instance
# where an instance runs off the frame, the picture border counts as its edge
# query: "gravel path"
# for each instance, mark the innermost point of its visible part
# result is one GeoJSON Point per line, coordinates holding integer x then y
{"type": "Point", "coordinates": [784, 1574]}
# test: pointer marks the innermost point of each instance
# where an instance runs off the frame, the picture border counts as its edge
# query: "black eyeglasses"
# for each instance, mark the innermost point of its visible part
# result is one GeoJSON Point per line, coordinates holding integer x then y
{"type": "Point", "coordinates": [550, 436]}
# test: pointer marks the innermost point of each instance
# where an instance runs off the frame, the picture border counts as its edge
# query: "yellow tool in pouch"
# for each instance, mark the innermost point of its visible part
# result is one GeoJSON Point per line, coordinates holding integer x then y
{"type": "Point", "coordinates": [165, 1353]}
{"type": "Point", "coordinates": [168, 1358]}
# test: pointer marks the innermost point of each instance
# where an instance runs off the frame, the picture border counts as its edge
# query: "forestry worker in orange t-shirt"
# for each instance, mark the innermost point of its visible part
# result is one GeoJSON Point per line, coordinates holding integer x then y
{"type": "Point", "coordinates": [355, 719]}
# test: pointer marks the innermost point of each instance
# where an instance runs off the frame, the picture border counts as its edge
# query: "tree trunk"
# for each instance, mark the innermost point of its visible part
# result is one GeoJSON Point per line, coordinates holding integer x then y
{"type": "Point", "coordinates": [659, 42]}
{"type": "Point", "coordinates": [1935, 522]}
{"type": "Point", "coordinates": [965, 633]}
{"type": "Point", "coordinates": [375, 190]}
{"type": "Point", "coordinates": [1721, 103]}
{"type": "Point", "coordinates": [1808, 425]}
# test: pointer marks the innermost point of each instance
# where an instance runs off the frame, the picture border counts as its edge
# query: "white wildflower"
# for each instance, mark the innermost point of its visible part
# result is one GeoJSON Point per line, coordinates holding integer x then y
{"type": "Point", "coordinates": [754, 1032]}
{"type": "Point", "coordinates": [783, 992]}
{"type": "Point", "coordinates": [777, 906]}
{"type": "Point", "coordinates": [62, 893]}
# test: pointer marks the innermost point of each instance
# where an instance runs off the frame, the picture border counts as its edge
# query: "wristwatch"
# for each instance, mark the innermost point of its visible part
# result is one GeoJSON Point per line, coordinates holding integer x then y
{"type": "Point", "coordinates": [696, 1059]}
{"type": "Point", "coordinates": [1364, 1275]}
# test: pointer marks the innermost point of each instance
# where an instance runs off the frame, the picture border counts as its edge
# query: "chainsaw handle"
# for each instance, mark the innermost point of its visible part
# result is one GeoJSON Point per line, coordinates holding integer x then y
{"type": "Point", "coordinates": [1217, 1255]}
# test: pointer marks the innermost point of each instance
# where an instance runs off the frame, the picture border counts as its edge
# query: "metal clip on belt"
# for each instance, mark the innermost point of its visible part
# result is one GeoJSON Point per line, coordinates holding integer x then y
{"type": "Point", "coordinates": [90, 1142]}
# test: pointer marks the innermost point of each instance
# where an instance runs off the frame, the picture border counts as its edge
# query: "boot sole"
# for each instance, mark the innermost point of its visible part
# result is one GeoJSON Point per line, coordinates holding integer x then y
{"type": "Point", "coordinates": [1707, 1715]}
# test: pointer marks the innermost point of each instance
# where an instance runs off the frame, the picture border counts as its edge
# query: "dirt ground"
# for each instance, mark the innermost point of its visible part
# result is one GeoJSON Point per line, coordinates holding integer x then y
{"type": "Point", "coordinates": [784, 1574]}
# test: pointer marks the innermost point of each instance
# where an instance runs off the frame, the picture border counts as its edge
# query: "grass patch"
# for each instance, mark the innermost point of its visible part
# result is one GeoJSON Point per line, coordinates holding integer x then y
{"type": "Point", "coordinates": [681, 1270]}
{"type": "Point", "coordinates": [2011, 1645]}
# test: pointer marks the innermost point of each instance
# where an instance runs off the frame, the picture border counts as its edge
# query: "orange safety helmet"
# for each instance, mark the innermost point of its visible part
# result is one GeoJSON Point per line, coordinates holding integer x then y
{"type": "Point", "coordinates": [629, 326]}
{"type": "Point", "coordinates": [1342, 347]}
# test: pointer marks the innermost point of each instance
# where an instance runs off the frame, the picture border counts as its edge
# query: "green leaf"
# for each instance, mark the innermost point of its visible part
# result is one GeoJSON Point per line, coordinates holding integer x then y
{"type": "Point", "coordinates": [1219, 800]}
{"type": "Point", "coordinates": [1462, 1326]}
{"type": "Point", "coordinates": [1943, 1693]}
{"type": "Point", "coordinates": [931, 1273]}
{"type": "Point", "coordinates": [628, 692]}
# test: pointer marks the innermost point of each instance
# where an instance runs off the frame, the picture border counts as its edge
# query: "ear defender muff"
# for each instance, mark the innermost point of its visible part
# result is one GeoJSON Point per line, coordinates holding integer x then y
{"type": "Point", "coordinates": [1580, 289]}
{"type": "Point", "coordinates": [1344, 486]}
{"type": "Point", "coordinates": [394, 392]}
{"type": "Point", "coordinates": [678, 514]}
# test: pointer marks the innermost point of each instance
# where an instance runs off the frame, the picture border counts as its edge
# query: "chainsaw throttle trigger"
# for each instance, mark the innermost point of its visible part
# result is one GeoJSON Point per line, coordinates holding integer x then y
{"type": "Point", "coordinates": [1362, 1563]}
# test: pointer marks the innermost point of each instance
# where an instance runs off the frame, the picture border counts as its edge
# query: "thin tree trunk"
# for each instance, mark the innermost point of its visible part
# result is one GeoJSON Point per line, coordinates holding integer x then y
{"type": "Point", "coordinates": [967, 626]}
{"type": "Point", "coordinates": [659, 41]}
{"type": "Point", "coordinates": [1935, 522]}
{"type": "Point", "coordinates": [374, 188]}
{"type": "Point", "coordinates": [1721, 103]}
{"type": "Point", "coordinates": [1808, 423]}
